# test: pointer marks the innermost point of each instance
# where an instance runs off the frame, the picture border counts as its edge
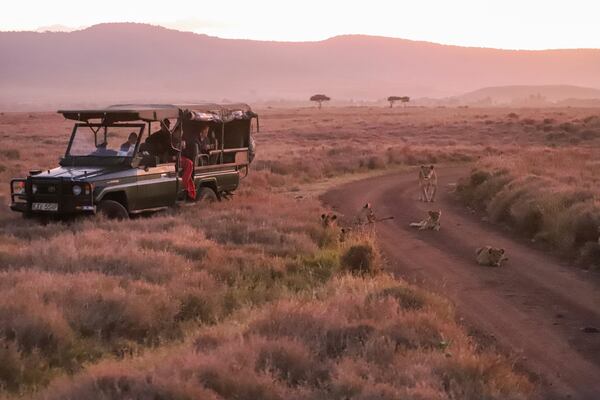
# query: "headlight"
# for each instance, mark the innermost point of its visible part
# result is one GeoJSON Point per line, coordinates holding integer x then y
{"type": "Point", "coordinates": [34, 188]}
{"type": "Point", "coordinates": [18, 187]}
{"type": "Point", "coordinates": [76, 190]}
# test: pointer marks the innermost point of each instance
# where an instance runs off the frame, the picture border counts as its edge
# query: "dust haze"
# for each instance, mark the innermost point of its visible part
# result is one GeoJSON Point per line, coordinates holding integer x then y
{"type": "Point", "coordinates": [312, 278]}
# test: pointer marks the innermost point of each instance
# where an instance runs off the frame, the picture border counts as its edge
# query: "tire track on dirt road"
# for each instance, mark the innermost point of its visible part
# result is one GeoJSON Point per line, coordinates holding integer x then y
{"type": "Point", "coordinates": [534, 307]}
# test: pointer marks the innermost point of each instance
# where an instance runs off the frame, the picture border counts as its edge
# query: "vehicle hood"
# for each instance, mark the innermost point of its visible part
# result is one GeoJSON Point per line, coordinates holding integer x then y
{"type": "Point", "coordinates": [78, 173]}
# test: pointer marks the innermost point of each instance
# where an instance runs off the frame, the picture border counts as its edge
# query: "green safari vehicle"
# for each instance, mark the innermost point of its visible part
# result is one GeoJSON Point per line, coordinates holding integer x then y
{"type": "Point", "coordinates": [112, 165]}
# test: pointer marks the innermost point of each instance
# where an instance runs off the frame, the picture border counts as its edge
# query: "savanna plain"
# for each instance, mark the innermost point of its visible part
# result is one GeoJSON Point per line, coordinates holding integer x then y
{"type": "Point", "coordinates": [252, 298]}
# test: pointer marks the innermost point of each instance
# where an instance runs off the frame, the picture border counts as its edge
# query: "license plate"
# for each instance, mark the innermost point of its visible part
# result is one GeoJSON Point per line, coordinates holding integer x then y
{"type": "Point", "coordinates": [44, 206]}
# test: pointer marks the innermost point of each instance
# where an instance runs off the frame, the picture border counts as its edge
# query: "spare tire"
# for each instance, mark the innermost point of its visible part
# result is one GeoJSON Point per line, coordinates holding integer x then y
{"type": "Point", "coordinates": [112, 209]}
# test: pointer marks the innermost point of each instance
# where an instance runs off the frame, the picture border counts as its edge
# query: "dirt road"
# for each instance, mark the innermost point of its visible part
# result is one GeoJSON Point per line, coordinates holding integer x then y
{"type": "Point", "coordinates": [535, 307]}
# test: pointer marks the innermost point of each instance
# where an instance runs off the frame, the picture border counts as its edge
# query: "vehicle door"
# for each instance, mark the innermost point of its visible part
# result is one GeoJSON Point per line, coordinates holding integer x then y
{"type": "Point", "coordinates": [156, 186]}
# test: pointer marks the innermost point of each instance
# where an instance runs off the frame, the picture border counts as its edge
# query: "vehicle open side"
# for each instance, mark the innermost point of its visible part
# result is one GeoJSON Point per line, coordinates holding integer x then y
{"type": "Point", "coordinates": [99, 174]}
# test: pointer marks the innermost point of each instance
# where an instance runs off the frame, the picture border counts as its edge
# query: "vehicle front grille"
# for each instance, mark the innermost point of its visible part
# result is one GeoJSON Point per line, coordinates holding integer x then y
{"type": "Point", "coordinates": [47, 189]}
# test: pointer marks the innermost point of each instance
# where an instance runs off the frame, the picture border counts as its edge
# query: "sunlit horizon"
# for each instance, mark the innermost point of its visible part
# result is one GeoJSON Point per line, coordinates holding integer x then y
{"type": "Point", "coordinates": [510, 24]}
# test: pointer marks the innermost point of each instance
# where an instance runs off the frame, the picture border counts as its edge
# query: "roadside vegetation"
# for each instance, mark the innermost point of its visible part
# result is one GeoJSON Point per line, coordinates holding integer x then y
{"type": "Point", "coordinates": [547, 195]}
{"type": "Point", "coordinates": [252, 298]}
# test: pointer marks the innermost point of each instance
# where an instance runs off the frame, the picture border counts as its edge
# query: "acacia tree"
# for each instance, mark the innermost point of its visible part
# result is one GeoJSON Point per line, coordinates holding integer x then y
{"type": "Point", "coordinates": [393, 99]}
{"type": "Point", "coordinates": [320, 98]}
{"type": "Point", "coordinates": [404, 100]}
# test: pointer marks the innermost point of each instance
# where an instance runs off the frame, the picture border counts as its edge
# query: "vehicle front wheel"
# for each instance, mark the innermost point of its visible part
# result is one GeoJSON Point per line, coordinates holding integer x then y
{"type": "Point", "coordinates": [112, 209]}
{"type": "Point", "coordinates": [206, 195]}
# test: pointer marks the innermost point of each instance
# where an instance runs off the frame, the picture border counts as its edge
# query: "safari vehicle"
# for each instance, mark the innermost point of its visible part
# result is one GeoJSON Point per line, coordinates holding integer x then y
{"type": "Point", "coordinates": [99, 175]}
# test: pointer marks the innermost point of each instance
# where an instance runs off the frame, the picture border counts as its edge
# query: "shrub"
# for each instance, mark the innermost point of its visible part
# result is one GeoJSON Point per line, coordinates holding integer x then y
{"type": "Point", "coordinates": [481, 187]}
{"type": "Point", "coordinates": [589, 255]}
{"type": "Point", "coordinates": [114, 381]}
{"type": "Point", "coordinates": [361, 259]}
{"type": "Point", "coordinates": [407, 298]}
{"type": "Point", "coordinates": [10, 154]}
{"type": "Point", "coordinates": [527, 216]}
{"type": "Point", "coordinates": [478, 177]}
{"type": "Point", "coordinates": [338, 340]}
{"type": "Point", "coordinates": [568, 127]}
{"type": "Point", "coordinates": [376, 162]}
{"type": "Point", "coordinates": [291, 362]}
{"type": "Point", "coordinates": [589, 134]}
{"type": "Point", "coordinates": [528, 121]}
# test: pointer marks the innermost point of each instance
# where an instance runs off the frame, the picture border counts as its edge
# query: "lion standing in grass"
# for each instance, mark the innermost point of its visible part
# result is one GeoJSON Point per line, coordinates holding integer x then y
{"type": "Point", "coordinates": [427, 183]}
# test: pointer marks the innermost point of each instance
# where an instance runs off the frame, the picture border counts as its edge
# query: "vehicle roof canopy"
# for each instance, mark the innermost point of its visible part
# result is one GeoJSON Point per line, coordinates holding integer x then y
{"type": "Point", "coordinates": [209, 112]}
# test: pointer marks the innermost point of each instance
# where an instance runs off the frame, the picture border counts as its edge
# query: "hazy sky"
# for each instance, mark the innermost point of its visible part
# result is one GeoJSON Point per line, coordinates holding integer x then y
{"type": "Point", "coordinates": [513, 24]}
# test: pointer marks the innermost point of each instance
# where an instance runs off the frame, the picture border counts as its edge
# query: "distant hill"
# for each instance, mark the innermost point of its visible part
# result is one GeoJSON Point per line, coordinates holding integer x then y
{"type": "Point", "coordinates": [524, 94]}
{"type": "Point", "coordinates": [136, 62]}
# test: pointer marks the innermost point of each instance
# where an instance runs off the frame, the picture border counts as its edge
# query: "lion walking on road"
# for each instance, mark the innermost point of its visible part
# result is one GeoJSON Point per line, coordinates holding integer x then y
{"type": "Point", "coordinates": [427, 183]}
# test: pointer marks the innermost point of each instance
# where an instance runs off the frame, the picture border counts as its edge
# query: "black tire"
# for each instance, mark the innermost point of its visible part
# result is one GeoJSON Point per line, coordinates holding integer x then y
{"type": "Point", "coordinates": [112, 209]}
{"type": "Point", "coordinates": [206, 195]}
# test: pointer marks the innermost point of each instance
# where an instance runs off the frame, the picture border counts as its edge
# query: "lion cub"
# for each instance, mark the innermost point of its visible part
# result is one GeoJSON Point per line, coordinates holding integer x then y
{"type": "Point", "coordinates": [427, 183]}
{"type": "Point", "coordinates": [491, 256]}
{"type": "Point", "coordinates": [432, 222]}
{"type": "Point", "coordinates": [328, 220]}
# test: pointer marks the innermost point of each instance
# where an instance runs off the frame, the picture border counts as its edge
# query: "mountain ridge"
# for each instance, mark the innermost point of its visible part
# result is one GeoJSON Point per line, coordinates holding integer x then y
{"type": "Point", "coordinates": [112, 63]}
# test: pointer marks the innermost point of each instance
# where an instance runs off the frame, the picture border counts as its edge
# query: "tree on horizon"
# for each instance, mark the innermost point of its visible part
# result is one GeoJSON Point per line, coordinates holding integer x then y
{"type": "Point", "coordinates": [320, 98]}
{"type": "Point", "coordinates": [393, 99]}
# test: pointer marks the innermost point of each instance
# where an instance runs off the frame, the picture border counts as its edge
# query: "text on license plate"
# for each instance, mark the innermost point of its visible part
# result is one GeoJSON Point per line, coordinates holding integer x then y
{"type": "Point", "coordinates": [44, 206]}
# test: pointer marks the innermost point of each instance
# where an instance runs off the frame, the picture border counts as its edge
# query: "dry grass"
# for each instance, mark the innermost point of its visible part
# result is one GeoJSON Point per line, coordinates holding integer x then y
{"type": "Point", "coordinates": [250, 298]}
{"type": "Point", "coordinates": [547, 195]}
{"type": "Point", "coordinates": [353, 338]}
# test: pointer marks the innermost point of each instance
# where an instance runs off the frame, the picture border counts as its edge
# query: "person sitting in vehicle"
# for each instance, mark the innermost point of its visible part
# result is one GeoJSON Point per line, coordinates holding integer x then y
{"type": "Point", "coordinates": [128, 147]}
{"type": "Point", "coordinates": [205, 143]}
{"type": "Point", "coordinates": [103, 150]}
{"type": "Point", "coordinates": [159, 143]}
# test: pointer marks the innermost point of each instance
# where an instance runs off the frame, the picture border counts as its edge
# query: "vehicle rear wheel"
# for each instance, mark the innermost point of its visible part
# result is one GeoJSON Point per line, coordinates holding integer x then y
{"type": "Point", "coordinates": [112, 209]}
{"type": "Point", "coordinates": [206, 195]}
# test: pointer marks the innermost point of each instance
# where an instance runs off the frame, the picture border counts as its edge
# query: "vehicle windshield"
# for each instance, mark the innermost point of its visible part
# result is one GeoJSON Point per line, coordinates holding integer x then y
{"type": "Point", "coordinates": [104, 141]}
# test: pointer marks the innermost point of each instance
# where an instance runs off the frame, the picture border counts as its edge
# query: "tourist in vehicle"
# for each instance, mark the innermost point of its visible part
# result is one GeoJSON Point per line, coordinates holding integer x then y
{"type": "Point", "coordinates": [129, 145]}
{"type": "Point", "coordinates": [205, 142]}
{"type": "Point", "coordinates": [103, 150]}
{"type": "Point", "coordinates": [159, 143]}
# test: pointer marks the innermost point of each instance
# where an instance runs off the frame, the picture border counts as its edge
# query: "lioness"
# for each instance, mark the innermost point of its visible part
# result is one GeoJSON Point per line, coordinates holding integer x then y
{"type": "Point", "coordinates": [490, 256]}
{"type": "Point", "coordinates": [366, 215]}
{"type": "Point", "coordinates": [344, 233]}
{"type": "Point", "coordinates": [427, 183]}
{"type": "Point", "coordinates": [328, 220]}
{"type": "Point", "coordinates": [432, 221]}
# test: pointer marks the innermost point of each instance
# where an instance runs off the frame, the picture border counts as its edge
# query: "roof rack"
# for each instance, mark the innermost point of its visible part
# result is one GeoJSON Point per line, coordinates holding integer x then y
{"type": "Point", "coordinates": [158, 112]}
